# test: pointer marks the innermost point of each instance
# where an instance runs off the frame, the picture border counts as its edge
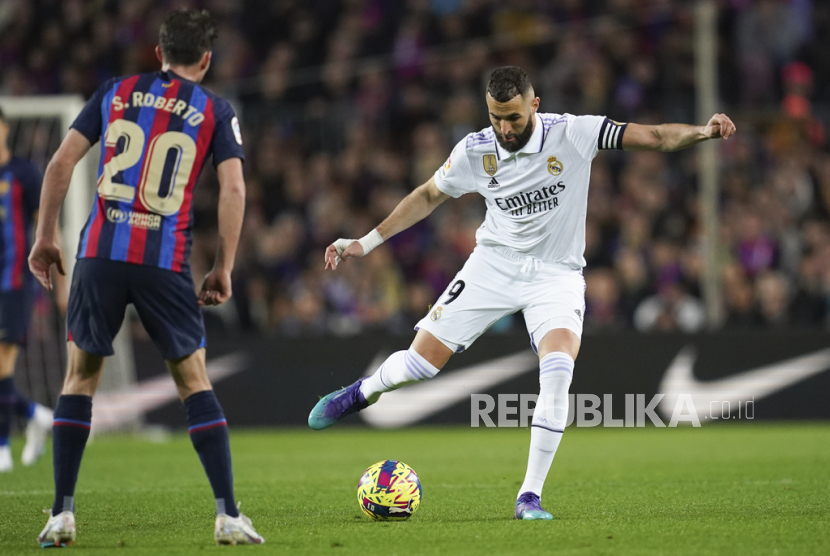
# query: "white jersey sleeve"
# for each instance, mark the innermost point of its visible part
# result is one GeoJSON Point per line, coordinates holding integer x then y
{"type": "Point", "coordinates": [590, 134]}
{"type": "Point", "coordinates": [582, 132]}
{"type": "Point", "coordinates": [455, 177]}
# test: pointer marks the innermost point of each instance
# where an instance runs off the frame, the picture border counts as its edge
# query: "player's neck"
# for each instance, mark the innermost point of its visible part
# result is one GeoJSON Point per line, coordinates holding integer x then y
{"type": "Point", "coordinates": [191, 73]}
{"type": "Point", "coordinates": [5, 155]}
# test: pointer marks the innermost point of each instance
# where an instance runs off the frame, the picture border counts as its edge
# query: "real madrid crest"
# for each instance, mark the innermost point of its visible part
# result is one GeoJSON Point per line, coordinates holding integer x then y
{"type": "Point", "coordinates": [554, 166]}
{"type": "Point", "coordinates": [490, 165]}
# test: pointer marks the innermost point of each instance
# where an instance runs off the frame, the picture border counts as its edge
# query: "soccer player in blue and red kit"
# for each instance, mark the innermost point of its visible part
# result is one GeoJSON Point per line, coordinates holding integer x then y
{"type": "Point", "coordinates": [19, 197]}
{"type": "Point", "coordinates": [156, 132]}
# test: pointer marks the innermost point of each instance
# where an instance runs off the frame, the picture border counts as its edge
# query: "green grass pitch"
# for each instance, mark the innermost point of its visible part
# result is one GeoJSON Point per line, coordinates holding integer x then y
{"type": "Point", "coordinates": [732, 489]}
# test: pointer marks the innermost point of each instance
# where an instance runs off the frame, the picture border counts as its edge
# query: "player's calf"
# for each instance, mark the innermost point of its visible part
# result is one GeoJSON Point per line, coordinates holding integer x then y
{"type": "Point", "coordinates": [401, 368]}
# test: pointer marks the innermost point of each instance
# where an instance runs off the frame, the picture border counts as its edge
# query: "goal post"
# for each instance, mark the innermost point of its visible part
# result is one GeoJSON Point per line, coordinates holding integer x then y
{"type": "Point", "coordinates": [37, 126]}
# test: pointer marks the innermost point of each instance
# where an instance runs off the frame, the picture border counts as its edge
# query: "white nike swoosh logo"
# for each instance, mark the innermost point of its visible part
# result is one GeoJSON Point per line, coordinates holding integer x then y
{"type": "Point", "coordinates": [116, 409]}
{"type": "Point", "coordinates": [416, 402]}
{"type": "Point", "coordinates": [742, 387]}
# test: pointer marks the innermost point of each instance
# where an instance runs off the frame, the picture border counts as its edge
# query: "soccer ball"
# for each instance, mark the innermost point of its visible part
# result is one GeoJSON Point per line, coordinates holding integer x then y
{"type": "Point", "coordinates": [389, 491]}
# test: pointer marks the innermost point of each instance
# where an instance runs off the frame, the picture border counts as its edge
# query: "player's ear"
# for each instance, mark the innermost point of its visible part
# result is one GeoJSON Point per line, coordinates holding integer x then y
{"type": "Point", "coordinates": [204, 63]}
{"type": "Point", "coordinates": [158, 54]}
{"type": "Point", "coordinates": [535, 104]}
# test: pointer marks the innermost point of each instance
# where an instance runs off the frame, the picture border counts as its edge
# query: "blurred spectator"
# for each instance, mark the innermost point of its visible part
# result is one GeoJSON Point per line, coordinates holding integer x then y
{"type": "Point", "coordinates": [670, 309]}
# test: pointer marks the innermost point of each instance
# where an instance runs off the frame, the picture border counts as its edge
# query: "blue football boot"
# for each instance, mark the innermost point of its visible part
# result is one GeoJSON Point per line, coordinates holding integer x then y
{"type": "Point", "coordinates": [337, 405]}
{"type": "Point", "coordinates": [528, 506]}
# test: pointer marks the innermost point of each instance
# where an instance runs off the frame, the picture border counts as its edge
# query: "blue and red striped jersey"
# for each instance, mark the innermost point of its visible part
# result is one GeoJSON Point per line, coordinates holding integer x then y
{"type": "Point", "coordinates": [19, 199]}
{"type": "Point", "coordinates": [156, 130]}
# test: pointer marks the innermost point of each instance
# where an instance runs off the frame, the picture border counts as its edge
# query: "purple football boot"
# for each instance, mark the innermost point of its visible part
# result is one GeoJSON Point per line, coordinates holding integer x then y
{"type": "Point", "coordinates": [335, 406]}
{"type": "Point", "coordinates": [528, 506]}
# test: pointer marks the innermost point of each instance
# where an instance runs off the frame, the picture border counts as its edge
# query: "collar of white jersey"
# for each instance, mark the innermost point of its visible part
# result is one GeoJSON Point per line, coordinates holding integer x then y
{"type": "Point", "coordinates": [533, 146]}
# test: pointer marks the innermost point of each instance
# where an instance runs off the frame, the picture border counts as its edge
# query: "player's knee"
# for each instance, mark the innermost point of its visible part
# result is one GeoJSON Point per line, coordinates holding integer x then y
{"type": "Point", "coordinates": [190, 374]}
{"type": "Point", "coordinates": [431, 349]}
{"type": "Point", "coordinates": [560, 339]}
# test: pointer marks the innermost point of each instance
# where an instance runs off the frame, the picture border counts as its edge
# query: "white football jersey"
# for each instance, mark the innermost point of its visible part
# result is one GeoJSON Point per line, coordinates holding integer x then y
{"type": "Point", "coordinates": [537, 197]}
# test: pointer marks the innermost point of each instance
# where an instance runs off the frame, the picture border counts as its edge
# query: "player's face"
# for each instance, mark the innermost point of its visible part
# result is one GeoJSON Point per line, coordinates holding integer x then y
{"type": "Point", "coordinates": [513, 120]}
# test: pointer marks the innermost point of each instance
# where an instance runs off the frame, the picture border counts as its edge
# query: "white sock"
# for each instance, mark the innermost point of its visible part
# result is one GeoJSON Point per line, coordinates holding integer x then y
{"type": "Point", "coordinates": [549, 418]}
{"type": "Point", "coordinates": [399, 369]}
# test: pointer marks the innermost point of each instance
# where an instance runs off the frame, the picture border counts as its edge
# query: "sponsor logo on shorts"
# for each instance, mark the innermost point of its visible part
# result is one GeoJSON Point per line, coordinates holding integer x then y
{"type": "Point", "coordinates": [142, 220]}
{"type": "Point", "coordinates": [578, 313]}
{"type": "Point", "coordinates": [490, 164]}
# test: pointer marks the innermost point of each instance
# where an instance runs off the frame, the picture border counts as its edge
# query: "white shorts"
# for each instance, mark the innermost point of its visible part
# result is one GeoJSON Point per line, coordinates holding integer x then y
{"type": "Point", "coordinates": [497, 281]}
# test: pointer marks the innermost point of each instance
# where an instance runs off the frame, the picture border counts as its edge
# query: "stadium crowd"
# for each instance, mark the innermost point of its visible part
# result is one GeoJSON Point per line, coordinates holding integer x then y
{"type": "Point", "coordinates": [346, 105]}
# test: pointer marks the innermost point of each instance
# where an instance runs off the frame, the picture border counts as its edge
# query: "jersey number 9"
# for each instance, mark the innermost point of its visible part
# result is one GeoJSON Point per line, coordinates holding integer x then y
{"type": "Point", "coordinates": [454, 291]}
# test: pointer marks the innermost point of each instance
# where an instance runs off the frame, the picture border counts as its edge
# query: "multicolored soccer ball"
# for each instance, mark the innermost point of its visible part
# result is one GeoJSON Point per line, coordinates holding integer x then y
{"type": "Point", "coordinates": [389, 491]}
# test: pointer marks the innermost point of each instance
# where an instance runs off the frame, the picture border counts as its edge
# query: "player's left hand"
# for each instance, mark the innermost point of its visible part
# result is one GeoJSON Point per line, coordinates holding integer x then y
{"type": "Point", "coordinates": [719, 126]}
{"type": "Point", "coordinates": [44, 254]}
{"type": "Point", "coordinates": [216, 289]}
{"type": "Point", "coordinates": [340, 250]}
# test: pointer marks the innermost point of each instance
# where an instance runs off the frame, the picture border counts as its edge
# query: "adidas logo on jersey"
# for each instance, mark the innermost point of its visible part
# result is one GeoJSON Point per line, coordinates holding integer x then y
{"type": "Point", "coordinates": [494, 183]}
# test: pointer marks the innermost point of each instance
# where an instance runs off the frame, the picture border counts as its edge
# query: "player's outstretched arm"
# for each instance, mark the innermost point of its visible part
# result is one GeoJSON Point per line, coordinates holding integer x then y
{"type": "Point", "coordinates": [412, 209]}
{"type": "Point", "coordinates": [674, 137]}
{"type": "Point", "coordinates": [46, 250]}
{"type": "Point", "coordinates": [216, 289]}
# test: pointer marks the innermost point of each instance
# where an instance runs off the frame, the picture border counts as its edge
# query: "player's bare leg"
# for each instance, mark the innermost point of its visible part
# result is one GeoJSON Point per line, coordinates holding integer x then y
{"type": "Point", "coordinates": [424, 358]}
{"type": "Point", "coordinates": [70, 432]}
{"type": "Point", "coordinates": [190, 374]}
{"type": "Point", "coordinates": [557, 352]}
{"type": "Point", "coordinates": [209, 434]}
{"type": "Point", "coordinates": [83, 373]}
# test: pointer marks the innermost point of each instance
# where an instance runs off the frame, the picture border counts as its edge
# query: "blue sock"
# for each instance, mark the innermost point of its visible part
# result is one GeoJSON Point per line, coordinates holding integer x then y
{"type": "Point", "coordinates": [73, 419]}
{"type": "Point", "coordinates": [7, 399]}
{"type": "Point", "coordinates": [23, 406]}
{"type": "Point", "coordinates": [209, 434]}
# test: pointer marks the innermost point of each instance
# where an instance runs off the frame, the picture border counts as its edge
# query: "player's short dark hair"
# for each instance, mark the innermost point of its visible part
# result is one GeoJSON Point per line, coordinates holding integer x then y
{"type": "Point", "coordinates": [186, 35]}
{"type": "Point", "coordinates": [507, 82]}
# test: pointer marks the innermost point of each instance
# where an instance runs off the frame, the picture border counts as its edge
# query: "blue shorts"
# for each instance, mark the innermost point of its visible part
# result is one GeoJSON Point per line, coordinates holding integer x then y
{"type": "Point", "coordinates": [15, 314]}
{"type": "Point", "coordinates": [165, 301]}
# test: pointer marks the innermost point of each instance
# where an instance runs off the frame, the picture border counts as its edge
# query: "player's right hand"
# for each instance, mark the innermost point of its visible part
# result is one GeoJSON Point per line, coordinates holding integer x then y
{"type": "Point", "coordinates": [342, 249]}
{"type": "Point", "coordinates": [44, 254]}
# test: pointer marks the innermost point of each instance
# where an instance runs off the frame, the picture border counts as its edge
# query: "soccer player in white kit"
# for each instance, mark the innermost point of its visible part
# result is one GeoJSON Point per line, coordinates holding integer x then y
{"type": "Point", "coordinates": [533, 171]}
